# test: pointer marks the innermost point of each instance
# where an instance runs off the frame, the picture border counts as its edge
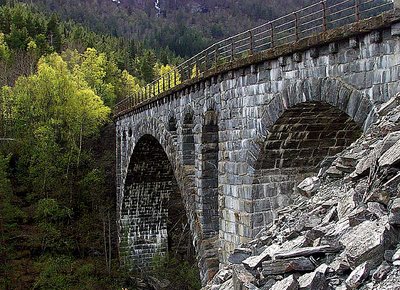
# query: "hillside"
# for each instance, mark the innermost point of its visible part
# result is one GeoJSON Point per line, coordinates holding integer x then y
{"type": "Point", "coordinates": [184, 26]}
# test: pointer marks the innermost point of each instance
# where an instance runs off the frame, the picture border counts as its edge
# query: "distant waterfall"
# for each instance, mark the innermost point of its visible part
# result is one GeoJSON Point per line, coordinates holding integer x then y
{"type": "Point", "coordinates": [157, 6]}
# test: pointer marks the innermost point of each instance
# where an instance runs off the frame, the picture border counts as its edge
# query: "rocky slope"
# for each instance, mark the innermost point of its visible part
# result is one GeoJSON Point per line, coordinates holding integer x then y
{"type": "Point", "coordinates": [343, 233]}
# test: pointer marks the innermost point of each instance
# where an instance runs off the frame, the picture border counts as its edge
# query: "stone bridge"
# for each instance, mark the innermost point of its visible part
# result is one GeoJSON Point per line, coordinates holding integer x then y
{"type": "Point", "coordinates": [204, 166]}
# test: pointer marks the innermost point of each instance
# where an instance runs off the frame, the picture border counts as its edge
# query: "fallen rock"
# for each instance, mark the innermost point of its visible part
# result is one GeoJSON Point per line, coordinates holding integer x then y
{"type": "Point", "coordinates": [368, 241]}
{"type": "Point", "coordinates": [309, 186]}
{"type": "Point", "coordinates": [289, 283]}
{"type": "Point", "coordinates": [340, 264]}
{"type": "Point", "coordinates": [381, 272]}
{"type": "Point", "coordinates": [307, 251]}
{"type": "Point", "coordinates": [347, 203]}
{"type": "Point", "coordinates": [334, 173]}
{"type": "Point", "coordinates": [396, 256]}
{"type": "Point", "coordinates": [241, 276]}
{"type": "Point", "coordinates": [394, 216]}
{"type": "Point", "coordinates": [363, 166]}
{"type": "Point", "coordinates": [359, 215]}
{"type": "Point", "coordinates": [313, 281]}
{"type": "Point", "coordinates": [228, 285]}
{"type": "Point", "coordinates": [391, 156]}
{"type": "Point", "coordinates": [239, 254]}
{"type": "Point", "coordinates": [389, 105]}
{"type": "Point", "coordinates": [377, 209]}
{"type": "Point", "coordinates": [277, 267]}
{"type": "Point", "coordinates": [358, 275]}
{"type": "Point", "coordinates": [222, 276]}
{"type": "Point", "coordinates": [254, 261]}
{"type": "Point", "coordinates": [377, 195]}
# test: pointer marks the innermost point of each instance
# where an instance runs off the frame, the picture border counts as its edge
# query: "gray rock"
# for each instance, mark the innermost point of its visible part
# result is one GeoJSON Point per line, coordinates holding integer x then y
{"type": "Point", "coordinates": [330, 216]}
{"type": "Point", "coordinates": [307, 251]}
{"type": "Point", "coordinates": [222, 276]}
{"type": "Point", "coordinates": [358, 275]}
{"type": "Point", "coordinates": [340, 264]}
{"type": "Point", "coordinates": [239, 254]}
{"type": "Point", "coordinates": [254, 261]}
{"type": "Point", "coordinates": [391, 156]}
{"type": "Point", "coordinates": [313, 281]}
{"type": "Point", "coordinates": [289, 283]}
{"type": "Point", "coordinates": [309, 186]}
{"type": "Point", "coordinates": [360, 215]}
{"type": "Point", "coordinates": [277, 267]}
{"type": "Point", "coordinates": [389, 105]}
{"type": "Point", "coordinates": [334, 173]}
{"type": "Point", "coordinates": [396, 256]}
{"type": "Point", "coordinates": [377, 209]}
{"type": "Point", "coordinates": [381, 272]}
{"type": "Point", "coordinates": [228, 285]}
{"type": "Point", "coordinates": [377, 195]}
{"type": "Point", "coordinates": [367, 242]}
{"type": "Point", "coordinates": [364, 165]}
{"type": "Point", "coordinates": [347, 203]}
{"type": "Point", "coordinates": [241, 277]}
{"type": "Point", "coordinates": [388, 255]}
{"type": "Point", "coordinates": [394, 216]}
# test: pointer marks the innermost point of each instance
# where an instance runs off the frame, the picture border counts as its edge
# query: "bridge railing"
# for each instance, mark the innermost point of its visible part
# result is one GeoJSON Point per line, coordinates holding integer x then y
{"type": "Point", "coordinates": [316, 18]}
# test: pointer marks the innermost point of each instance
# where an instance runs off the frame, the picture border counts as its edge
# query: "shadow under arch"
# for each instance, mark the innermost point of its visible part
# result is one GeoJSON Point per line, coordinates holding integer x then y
{"type": "Point", "coordinates": [153, 216]}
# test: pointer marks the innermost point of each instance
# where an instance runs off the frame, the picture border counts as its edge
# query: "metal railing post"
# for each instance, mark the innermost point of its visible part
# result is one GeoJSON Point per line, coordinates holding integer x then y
{"type": "Point", "coordinates": [272, 34]}
{"type": "Point", "coordinates": [357, 9]}
{"type": "Point", "coordinates": [216, 56]}
{"type": "Point", "coordinates": [232, 49]}
{"type": "Point", "coordinates": [251, 41]}
{"type": "Point", "coordinates": [174, 77]}
{"type": "Point", "coordinates": [206, 60]}
{"type": "Point", "coordinates": [296, 26]}
{"type": "Point", "coordinates": [324, 25]}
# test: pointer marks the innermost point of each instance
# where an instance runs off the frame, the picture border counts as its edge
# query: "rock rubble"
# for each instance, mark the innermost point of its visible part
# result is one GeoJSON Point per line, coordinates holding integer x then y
{"type": "Point", "coordinates": [341, 232]}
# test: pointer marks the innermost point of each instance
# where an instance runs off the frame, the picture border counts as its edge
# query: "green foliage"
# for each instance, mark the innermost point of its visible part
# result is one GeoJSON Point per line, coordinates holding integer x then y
{"type": "Point", "coordinates": [169, 77]}
{"type": "Point", "coordinates": [54, 110]}
{"type": "Point", "coordinates": [49, 210]}
{"type": "Point", "coordinates": [10, 217]}
{"type": "Point", "coordinates": [64, 272]}
{"type": "Point", "coordinates": [26, 31]}
{"type": "Point", "coordinates": [181, 274]}
{"type": "Point", "coordinates": [4, 50]}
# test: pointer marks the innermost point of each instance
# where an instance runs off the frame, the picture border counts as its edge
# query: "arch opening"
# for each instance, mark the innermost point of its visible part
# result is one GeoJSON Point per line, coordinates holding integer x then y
{"type": "Point", "coordinates": [302, 137]}
{"type": "Point", "coordinates": [153, 217]}
{"type": "Point", "coordinates": [209, 173]}
{"type": "Point", "coordinates": [188, 139]}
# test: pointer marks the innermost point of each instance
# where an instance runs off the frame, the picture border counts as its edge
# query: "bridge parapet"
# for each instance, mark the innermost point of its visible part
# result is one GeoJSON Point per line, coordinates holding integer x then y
{"type": "Point", "coordinates": [257, 43]}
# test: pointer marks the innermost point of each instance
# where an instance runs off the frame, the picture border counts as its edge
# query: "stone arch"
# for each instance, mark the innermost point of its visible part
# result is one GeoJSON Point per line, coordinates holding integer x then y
{"type": "Point", "coordinates": [153, 217]}
{"type": "Point", "coordinates": [157, 129]}
{"type": "Point", "coordinates": [308, 121]}
{"type": "Point", "coordinates": [209, 173]}
{"type": "Point", "coordinates": [172, 124]}
{"type": "Point", "coordinates": [188, 144]}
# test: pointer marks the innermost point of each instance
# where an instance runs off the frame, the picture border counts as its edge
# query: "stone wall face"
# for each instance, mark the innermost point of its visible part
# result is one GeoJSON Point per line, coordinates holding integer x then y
{"type": "Point", "coordinates": [337, 86]}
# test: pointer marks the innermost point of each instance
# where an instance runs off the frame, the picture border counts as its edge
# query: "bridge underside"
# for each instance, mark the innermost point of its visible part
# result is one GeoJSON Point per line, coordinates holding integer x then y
{"type": "Point", "coordinates": [296, 144]}
{"type": "Point", "coordinates": [153, 218]}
